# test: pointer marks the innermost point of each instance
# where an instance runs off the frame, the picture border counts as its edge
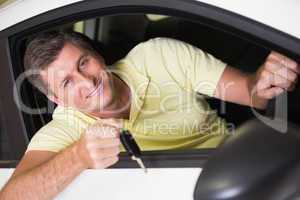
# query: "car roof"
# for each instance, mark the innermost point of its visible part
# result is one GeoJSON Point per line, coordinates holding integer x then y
{"type": "Point", "coordinates": [16, 11]}
{"type": "Point", "coordinates": [279, 14]}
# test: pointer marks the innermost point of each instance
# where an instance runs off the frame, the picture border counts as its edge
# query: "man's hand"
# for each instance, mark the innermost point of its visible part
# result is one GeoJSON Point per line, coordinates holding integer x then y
{"type": "Point", "coordinates": [277, 74]}
{"type": "Point", "coordinates": [99, 147]}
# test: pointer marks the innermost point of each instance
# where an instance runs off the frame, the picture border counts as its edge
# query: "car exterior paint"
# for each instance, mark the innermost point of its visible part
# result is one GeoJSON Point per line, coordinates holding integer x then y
{"type": "Point", "coordinates": [279, 14]}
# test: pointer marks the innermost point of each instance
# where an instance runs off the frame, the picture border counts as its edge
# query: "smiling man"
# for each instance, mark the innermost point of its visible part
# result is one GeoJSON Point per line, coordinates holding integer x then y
{"type": "Point", "coordinates": [157, 92]}
{"type": "Point", "coordinates": [78, 78]}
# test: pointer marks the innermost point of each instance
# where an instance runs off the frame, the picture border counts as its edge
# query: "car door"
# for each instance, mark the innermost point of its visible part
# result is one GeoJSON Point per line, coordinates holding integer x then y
{"type": "Point", "coordinates": [238, 40]}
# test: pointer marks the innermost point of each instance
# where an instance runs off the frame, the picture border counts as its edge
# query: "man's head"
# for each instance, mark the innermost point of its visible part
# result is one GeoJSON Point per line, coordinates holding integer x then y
{"type": "Point", "coordinates": [66, 67]}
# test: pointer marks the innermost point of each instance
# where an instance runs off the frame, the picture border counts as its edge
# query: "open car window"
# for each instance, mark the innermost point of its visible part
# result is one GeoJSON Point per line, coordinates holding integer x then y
{"type": "Point", "coordinates": [116, 35]}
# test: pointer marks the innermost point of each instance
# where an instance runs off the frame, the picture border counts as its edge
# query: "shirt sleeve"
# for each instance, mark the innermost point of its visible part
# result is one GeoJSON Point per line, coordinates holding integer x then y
{"type": "Point", "coordinates": [52, 137]}
{"type": "Point", "coordinates": [192, 68]}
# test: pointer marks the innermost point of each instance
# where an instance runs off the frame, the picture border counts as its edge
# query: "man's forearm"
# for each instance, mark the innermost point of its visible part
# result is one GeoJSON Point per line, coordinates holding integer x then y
{"type": "Point", "coordinates": [46, 180]}
{"type": "Point", "coordinates": [239, 87]}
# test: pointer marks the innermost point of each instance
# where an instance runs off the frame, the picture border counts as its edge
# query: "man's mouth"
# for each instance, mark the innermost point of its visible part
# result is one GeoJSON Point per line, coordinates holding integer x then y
{"type": "Point", "coordinates": [98, 89]}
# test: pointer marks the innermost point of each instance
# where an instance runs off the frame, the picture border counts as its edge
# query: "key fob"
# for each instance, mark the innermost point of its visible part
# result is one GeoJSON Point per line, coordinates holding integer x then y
{"type": "Point", "coordinates": [130, 144]}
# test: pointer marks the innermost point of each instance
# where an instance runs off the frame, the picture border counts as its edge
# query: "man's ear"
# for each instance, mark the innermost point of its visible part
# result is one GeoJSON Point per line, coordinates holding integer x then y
{"type": "Point", "coordinates": [54, 99]}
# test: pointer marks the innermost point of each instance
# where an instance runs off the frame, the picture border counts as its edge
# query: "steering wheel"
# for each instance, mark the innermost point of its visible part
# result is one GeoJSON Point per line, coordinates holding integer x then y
{"type": "Point", "coordinates": [258, 162]}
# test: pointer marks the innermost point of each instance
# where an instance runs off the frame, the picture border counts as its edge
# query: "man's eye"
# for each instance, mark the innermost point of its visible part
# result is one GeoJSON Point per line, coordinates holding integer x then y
{"type": "Point", "coordinates": [83, 63]}
{"type": "Point", "coordinates": [66, 82]}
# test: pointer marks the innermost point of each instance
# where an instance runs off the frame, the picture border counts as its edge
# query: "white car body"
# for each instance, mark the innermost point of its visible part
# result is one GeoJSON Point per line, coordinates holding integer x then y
{"type": "Point", "coordinates": [167, 183]}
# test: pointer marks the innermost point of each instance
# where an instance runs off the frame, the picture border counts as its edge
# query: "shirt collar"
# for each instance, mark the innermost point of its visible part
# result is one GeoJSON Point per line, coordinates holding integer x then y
{"type": "Point", "coordinates": [138, 84]}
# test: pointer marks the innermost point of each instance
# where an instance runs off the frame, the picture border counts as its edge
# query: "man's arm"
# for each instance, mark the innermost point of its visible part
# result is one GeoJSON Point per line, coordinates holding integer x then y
{"type": "Point", "coordinates": [45, 177]}
{"type": "Point", "coordinates": [235, 86]}
{"type": "Point", "coordinates": [278, 73]}
{"type": "Point", "coordinates": [42, 174]}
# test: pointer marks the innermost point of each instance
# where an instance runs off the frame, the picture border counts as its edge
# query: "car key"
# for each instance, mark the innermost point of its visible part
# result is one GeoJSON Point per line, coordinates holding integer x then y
{"type": "Point", "coordinates": [132, 148]}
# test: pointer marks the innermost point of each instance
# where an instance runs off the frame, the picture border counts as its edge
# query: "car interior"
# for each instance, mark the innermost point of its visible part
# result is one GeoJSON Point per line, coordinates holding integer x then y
{"type": "Point", "coordinates": [115, 35]}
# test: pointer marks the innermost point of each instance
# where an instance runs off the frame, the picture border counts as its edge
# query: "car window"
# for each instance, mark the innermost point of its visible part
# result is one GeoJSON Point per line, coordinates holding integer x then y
{"type": "Point", "coordinates": [116, 35]}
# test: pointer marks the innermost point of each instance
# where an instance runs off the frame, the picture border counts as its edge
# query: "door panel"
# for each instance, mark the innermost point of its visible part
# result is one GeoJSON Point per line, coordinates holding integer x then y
{"type": "Point", "coordinates": [133, 184]}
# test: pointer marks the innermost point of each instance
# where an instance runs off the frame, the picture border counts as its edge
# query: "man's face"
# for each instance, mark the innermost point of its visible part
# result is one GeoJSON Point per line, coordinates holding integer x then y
{"type": "Point", "coordinates": [79, 79]}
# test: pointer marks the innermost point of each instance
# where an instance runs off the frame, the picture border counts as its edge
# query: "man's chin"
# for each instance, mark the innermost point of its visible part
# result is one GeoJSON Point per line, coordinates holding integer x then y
{"type": "Point", "coordinates": [96, 107]}
{"type": "Point", "coordinates": [93, 110]}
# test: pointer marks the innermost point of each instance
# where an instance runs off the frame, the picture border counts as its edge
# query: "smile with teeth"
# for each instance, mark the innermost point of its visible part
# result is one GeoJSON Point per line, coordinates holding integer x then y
{"type": "Point", "coordinates": [99, 89]}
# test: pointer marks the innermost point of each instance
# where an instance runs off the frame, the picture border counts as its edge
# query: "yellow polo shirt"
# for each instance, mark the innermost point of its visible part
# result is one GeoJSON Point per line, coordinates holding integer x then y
{"type": "Point", "coordinates": [169, 81]}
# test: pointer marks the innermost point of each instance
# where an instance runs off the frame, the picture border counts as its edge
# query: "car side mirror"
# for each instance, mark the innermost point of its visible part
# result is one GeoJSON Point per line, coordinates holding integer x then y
{"type": "Point", "coordinates": [256, 163]}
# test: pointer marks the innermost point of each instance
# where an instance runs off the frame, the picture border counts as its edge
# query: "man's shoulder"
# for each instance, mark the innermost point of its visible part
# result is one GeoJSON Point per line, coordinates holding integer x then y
{"type": "Point", "coordinates": [144, 53]}
{"type": "Point", "coordinates": [65, 123]}
{"type": "Point", "coordinates": [156, 42]}
{"type": "Point", "coordinates": [70, 118]}
{"type": "Point", "coordinates": [54, 136]}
